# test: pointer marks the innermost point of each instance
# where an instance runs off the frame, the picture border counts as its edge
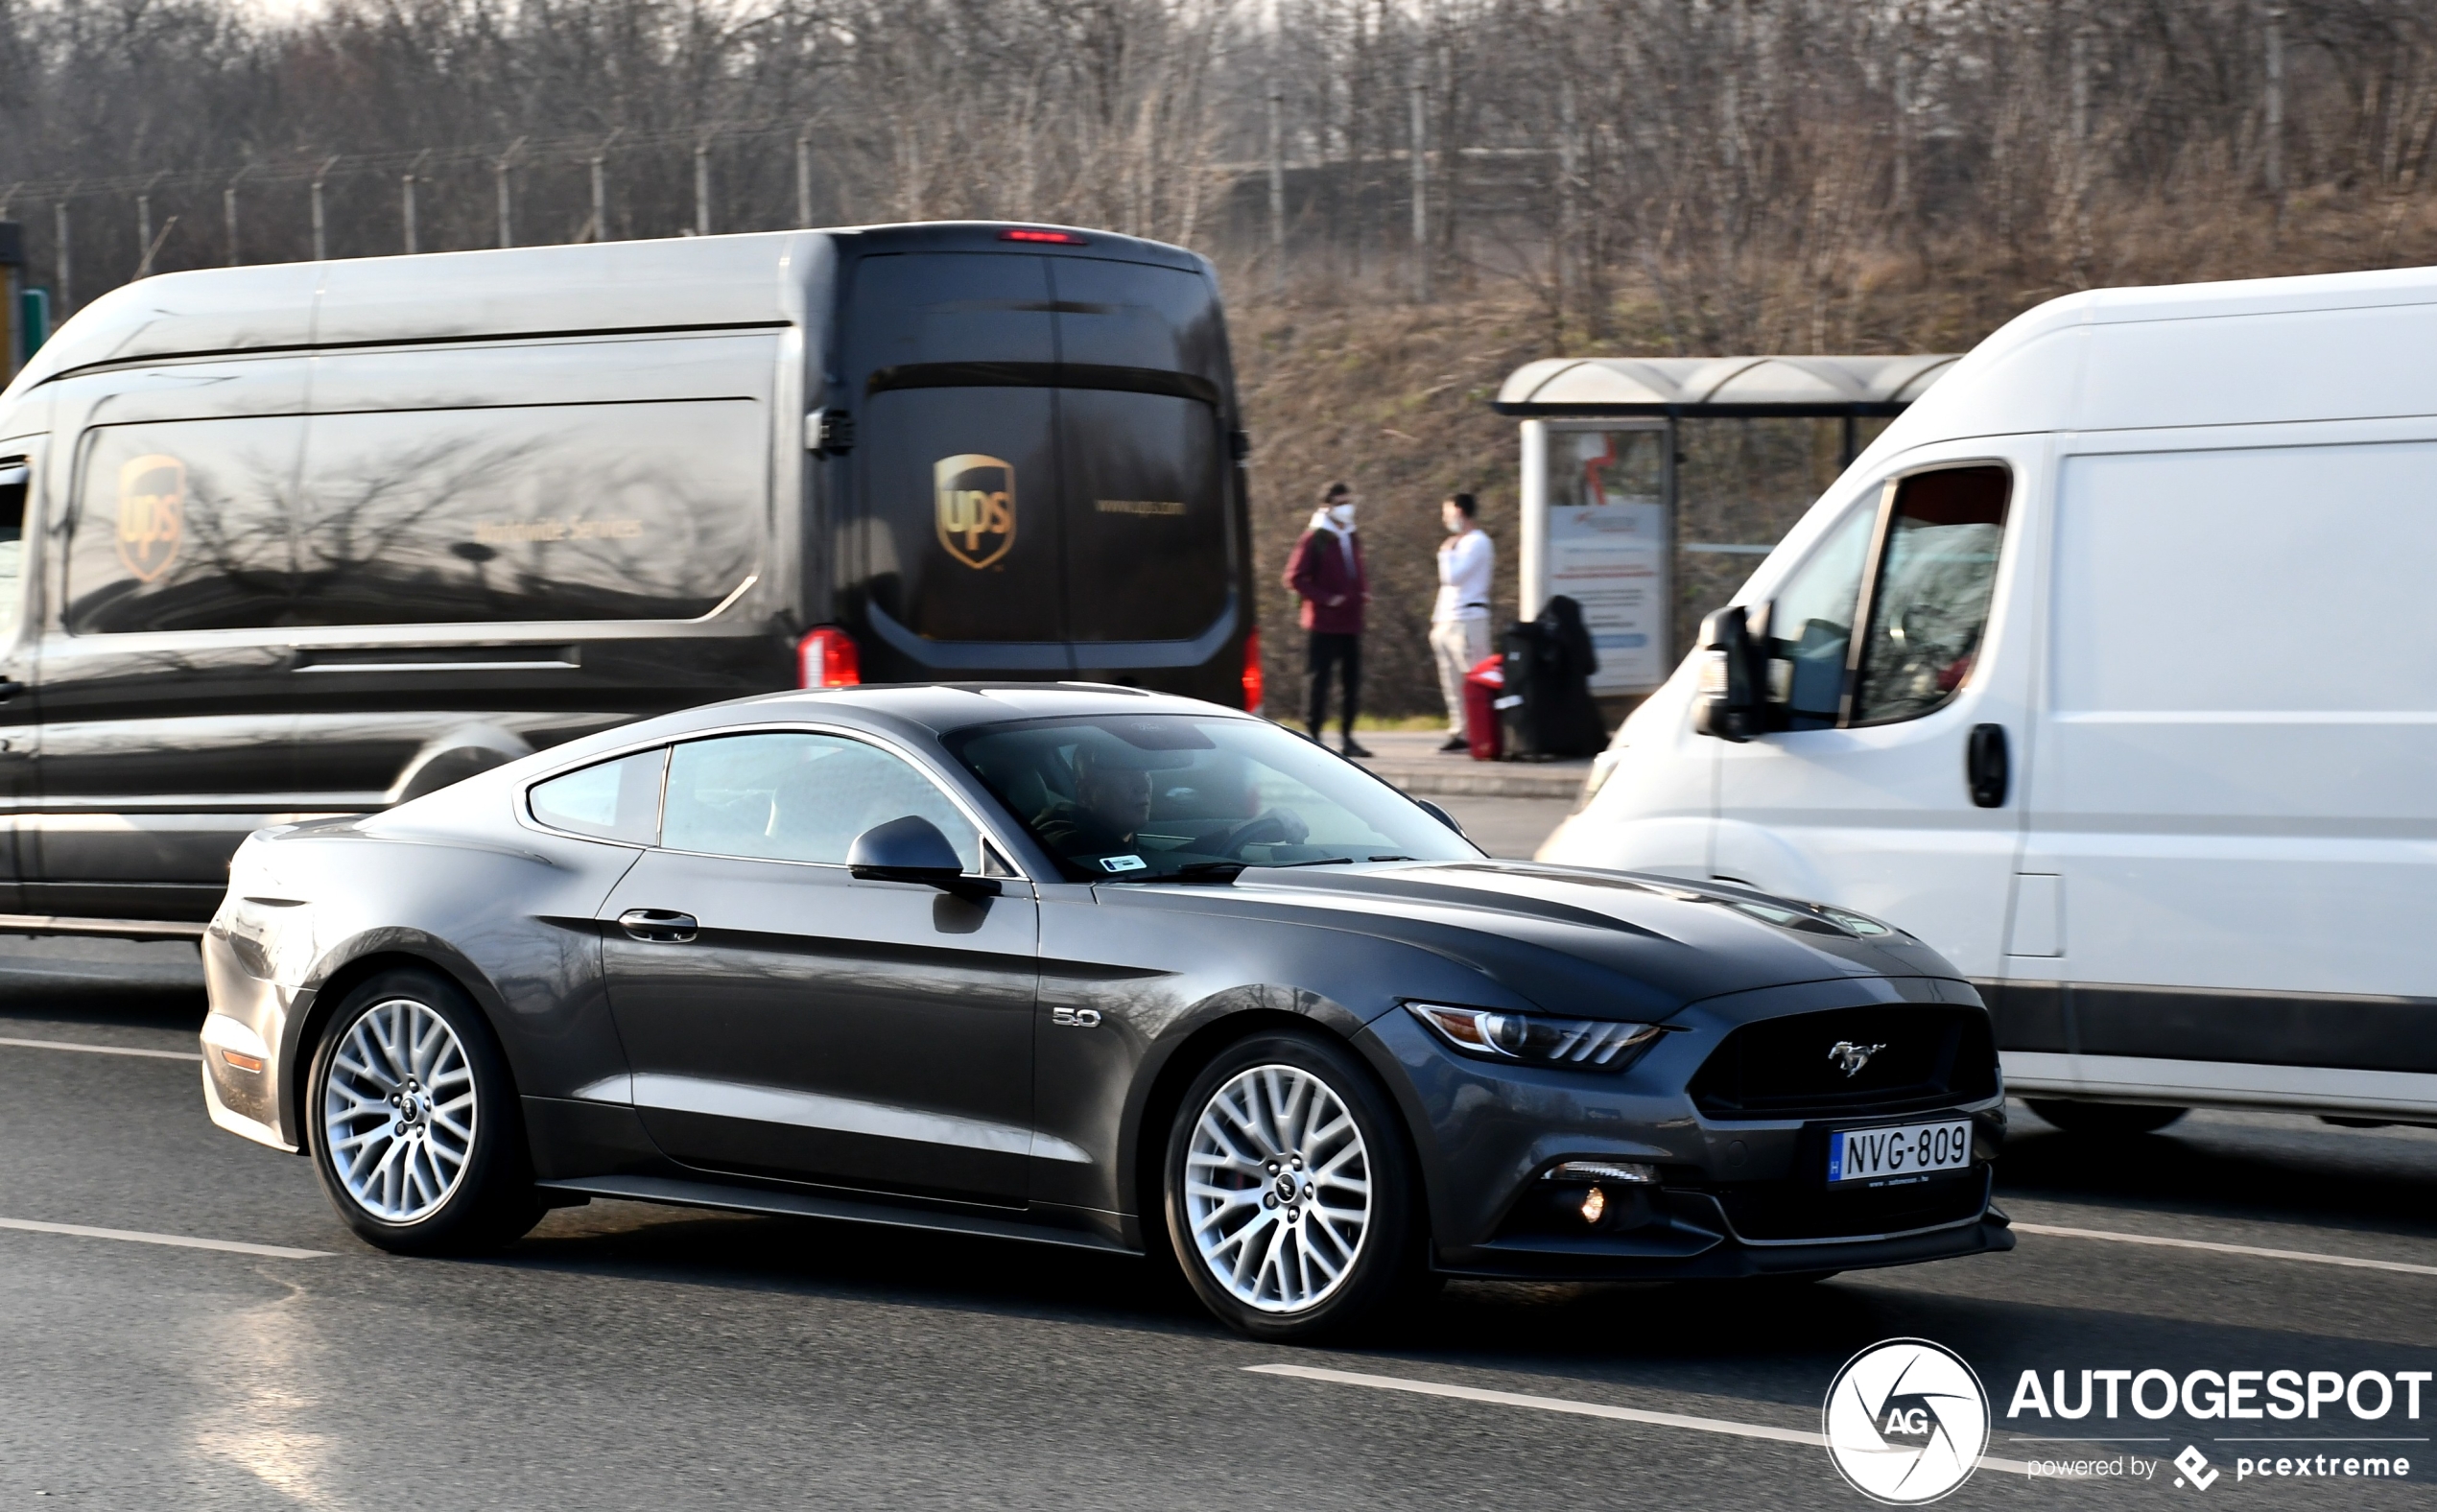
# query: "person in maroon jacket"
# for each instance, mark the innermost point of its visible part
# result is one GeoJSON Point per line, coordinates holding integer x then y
{"type": "Point", "coordinates": [1326, 572]}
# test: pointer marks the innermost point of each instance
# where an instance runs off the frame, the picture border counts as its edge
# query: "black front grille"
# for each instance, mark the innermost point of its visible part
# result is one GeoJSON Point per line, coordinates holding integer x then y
{"type": "Point", "coordinates": [1775, 1210]}
{"type": "Point", "coordinates": [1920, 1055]}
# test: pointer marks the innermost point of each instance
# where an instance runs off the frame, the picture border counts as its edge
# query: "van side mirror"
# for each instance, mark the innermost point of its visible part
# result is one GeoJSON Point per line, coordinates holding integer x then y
{"type": "Point", "coordinates": [1728, 704]}
{"type": "Point", "coordinates": [912, 849]}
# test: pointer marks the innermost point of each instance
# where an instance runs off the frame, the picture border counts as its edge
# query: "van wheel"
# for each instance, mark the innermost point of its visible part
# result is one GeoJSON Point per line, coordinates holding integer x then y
{"type": "Point", "coordinates": [415, 1123]}
{"type": "Point", "coordinates": [1289, 1195]}
{"type": "Point", "coordinates": [2104, 1118]}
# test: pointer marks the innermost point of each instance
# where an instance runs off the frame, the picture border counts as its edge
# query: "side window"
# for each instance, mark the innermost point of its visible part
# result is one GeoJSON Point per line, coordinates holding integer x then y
{"type": "Point", "coordinates": [612, 800]}
{"type": "Point", "coordinates": [602, 511]}
{"type": "Point", "coordinates": [183, 526]}
{"type": "Point", "coordinates": [16, 478]}
{"type": "Point", "coordinates": [1811, 623]}
{"type": "Point", "coordinates": [803, 798]}
{"type": "Point", "coordinates": [1937, 567]}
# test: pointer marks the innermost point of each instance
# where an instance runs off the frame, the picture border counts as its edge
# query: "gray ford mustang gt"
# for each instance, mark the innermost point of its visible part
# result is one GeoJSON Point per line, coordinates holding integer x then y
{"type": "Point", "coordinates": [1092, 967]}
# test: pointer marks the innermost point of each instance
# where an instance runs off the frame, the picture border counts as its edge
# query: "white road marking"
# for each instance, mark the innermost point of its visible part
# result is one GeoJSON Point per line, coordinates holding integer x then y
{"type": "Point", "coordinates": [102, 1050]}
{"type": "Point", "coordinates": [180, 1241]}
{"type": "Point", "coordinates": [1597, 1409]}
{"type": "Point", "coordinates": [2255, 1251]}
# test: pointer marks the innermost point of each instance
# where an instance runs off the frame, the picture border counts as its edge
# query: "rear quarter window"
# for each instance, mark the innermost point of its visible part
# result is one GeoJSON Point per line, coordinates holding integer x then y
{"type": "Point", "coordinates": [611, 800]}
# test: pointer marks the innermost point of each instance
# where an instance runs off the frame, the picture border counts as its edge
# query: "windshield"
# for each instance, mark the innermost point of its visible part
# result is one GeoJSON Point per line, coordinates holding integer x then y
{"type": "Point", "coordinates": [1147, 797]}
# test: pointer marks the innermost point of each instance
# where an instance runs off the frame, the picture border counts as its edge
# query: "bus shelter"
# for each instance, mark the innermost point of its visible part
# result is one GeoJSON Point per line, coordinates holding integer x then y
{"type": "Point", "coordinates": [1600, 475]}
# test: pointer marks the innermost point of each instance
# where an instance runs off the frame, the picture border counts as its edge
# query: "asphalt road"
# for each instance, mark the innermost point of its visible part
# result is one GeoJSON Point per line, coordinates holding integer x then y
{"type": "Point", "coordinates": [631, 1357]}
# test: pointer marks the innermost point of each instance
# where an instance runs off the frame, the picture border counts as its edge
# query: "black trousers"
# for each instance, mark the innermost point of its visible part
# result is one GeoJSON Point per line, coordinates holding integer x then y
{"type": "Point", "coordinates": [1330, 650]}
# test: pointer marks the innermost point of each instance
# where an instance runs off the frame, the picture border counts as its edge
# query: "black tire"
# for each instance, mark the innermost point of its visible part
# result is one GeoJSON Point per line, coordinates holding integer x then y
{"type": "Point", "coordinates": [489, 1198]}
{"type": "Point", "coordinates": [2104, 1118]}
{"type": "Point", "coordinates": [1389, 1264]}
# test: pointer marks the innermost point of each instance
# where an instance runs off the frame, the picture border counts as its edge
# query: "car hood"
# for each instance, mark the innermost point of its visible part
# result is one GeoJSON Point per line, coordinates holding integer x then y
{"type": "Point", "coordinates": [1581, 940]}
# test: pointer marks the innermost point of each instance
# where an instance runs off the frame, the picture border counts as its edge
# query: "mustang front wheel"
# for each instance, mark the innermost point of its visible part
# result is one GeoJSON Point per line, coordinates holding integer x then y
{"type": "Point", "coordinates": [1288, 1190]}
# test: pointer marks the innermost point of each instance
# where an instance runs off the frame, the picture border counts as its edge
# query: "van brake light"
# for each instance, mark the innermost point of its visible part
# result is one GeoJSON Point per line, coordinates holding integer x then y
{"type": "Point", "coordinates": [1252, 671]}
{"type": "Point", "coordinates": [826, 658]}
{"type": "Point", "coordinates": [1020, 233]}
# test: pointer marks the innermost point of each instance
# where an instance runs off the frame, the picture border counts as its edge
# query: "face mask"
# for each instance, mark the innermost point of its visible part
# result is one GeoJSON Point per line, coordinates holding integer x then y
{"type": "Point", "coordinates": [1343, 514]}
{"type": "Point", "coordinates": [1458, 524]}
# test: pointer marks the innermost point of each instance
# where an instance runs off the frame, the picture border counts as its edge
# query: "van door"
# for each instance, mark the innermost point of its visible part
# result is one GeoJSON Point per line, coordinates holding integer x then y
{"type": "Point", "coordinates": [2233, 804]}
{"type": "Point", "coordinates": [167, 732]}
{"type": "Point", "coordinates": [1866, 796]}
{"type": "Point", "coordinates": [19, 462]}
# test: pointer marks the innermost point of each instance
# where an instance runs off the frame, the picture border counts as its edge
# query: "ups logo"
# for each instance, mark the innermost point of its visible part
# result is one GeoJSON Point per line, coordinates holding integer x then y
{"type": "Point", "coordinates": [152, 515]}
{"type": "Point", "coordinates": [975, 507]}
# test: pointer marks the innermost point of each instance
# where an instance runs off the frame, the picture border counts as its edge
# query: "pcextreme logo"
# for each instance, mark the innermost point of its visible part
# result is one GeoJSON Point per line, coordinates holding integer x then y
{"type": "Point", "coordinates": [1907, 1421]}
{"type": "Point", "coordinates": [975, 507]}
{"type": "Point", "coordinates": [152, 515]}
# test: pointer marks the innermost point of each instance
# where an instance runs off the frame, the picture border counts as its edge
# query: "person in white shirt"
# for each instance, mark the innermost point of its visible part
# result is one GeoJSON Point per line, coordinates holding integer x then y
{"type": "Point", "coordinates": [1460, 621]}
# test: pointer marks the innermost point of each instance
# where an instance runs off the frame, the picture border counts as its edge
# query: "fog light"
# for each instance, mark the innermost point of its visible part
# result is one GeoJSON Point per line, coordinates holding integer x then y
{"type": "Point", "coordinates": [1628, 1172]}
{"type": "Point", "coordinates": [1594, 1203]}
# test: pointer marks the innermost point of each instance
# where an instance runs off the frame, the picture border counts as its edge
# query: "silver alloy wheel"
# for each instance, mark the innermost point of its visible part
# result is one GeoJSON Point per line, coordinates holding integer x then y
{"type": "Point", "coordinates": [1278, 1189]}
{"type": "Point", "coordinates": [398, 1115]}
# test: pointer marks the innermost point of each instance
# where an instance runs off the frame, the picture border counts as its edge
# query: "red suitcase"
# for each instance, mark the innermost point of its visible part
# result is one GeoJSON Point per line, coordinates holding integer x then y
{"type": "Point", "coordinates": [1483, 686]}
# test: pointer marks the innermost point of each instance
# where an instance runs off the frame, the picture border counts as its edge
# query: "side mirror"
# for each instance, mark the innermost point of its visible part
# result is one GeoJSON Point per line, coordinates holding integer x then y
{"type": "Point", "coordinates": [1728, 702]}
{"type": "Point", "coordinates": [912, 849]}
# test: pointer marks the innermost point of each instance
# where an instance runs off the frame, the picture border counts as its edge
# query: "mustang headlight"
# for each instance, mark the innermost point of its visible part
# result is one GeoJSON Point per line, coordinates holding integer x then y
{"type": "Point", "coordinates": [1535, 1038]}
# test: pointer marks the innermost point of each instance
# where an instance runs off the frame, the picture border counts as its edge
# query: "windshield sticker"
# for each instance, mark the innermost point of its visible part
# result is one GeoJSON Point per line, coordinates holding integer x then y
{"type": "Point", "coordinates": [1122, 864]}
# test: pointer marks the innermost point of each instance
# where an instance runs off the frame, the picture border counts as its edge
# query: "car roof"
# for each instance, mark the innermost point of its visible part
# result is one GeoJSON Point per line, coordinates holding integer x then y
{"type": "Point", "coordinates": [946, 707]}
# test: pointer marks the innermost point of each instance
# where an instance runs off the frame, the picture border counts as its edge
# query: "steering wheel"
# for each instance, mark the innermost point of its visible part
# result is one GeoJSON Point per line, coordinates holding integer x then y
{"type": "Point", "coordinates": [1272, 825]}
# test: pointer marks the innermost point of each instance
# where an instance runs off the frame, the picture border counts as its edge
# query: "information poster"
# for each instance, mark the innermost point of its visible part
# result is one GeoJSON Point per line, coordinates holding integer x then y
{"type": "Point", "coordinates": [1609, 550]}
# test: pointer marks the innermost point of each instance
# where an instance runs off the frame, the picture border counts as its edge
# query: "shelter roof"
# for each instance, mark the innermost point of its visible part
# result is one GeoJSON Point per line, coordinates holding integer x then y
{"type": "Point", "coordinates": [1720, 387]}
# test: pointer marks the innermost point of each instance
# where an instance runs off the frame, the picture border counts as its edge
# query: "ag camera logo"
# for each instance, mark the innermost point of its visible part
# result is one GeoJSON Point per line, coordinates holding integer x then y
{"type": "Point", "coordinates": [1905, 1421]}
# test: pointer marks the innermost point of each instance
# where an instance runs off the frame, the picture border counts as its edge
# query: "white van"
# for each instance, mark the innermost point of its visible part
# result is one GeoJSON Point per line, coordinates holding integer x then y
{"type": "Point", "coordinates": [2142, 727]}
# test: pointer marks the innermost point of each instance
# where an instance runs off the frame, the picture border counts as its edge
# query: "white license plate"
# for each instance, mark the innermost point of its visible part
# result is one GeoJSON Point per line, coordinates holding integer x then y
{"type": "Point", "coordinates": [1905, 1149]}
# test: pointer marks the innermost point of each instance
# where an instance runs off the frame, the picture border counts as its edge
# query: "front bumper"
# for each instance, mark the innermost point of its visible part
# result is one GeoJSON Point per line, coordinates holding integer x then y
{"type": "Point", "coordinates": [1734, 1196]}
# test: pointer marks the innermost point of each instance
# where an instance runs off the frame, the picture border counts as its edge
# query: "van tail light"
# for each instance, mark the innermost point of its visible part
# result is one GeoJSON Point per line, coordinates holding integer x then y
{"type": "Point", "coordinates": [1252, 671]}
{"type": "Point", "coordinates": [826, 658]}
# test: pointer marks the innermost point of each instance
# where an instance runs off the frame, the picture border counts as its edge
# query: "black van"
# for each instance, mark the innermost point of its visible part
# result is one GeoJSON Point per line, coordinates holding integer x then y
{"type": "Point", "coordinates": [318, 538]}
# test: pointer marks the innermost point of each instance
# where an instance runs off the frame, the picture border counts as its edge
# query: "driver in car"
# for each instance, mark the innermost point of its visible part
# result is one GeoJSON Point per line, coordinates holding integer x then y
{"type": "Point", "coordinates": [1112, 801]}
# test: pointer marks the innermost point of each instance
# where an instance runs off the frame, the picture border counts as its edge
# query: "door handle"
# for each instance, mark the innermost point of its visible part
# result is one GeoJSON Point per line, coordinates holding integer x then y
{"type": "Point", "coordinates": [660, 925]}
{"type": "Point", "coordinates": [9, 688]}
{"type": "Point", "coordinates": [1985, 767]}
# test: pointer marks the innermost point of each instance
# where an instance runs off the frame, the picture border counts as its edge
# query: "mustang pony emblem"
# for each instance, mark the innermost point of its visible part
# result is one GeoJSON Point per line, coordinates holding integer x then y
{"type": "Point", "coordinates": [1851, 1057]}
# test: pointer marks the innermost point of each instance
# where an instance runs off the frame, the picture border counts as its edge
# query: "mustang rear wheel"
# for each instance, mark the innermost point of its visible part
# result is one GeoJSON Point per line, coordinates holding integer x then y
{"type": "Point", "coordinates": [414, 1126]}
{"type": "Point", "coordinates": [1288, 1190]}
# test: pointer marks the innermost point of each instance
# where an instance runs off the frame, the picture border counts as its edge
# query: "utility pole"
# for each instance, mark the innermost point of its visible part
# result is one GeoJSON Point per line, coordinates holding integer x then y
{"type": "Point", "coordinates": [601, 185]}
{"type": "Point", "coordinates": [406, 199]}
{"type": "Point", "coordinates": [499, 177]}
{"type": "Point", "coordinates": [702, 186]}
{"type": "Point", "coordinates": [320, 225]}
{"type": "Point", "coordinates": [1567, 210]}
{"type": "Point", "coordinates": [2273, 168]}
{"type": "Point", "coordinates": [804, 175]}
{"type": "Point", "coordinates": [228, 214]}
{"type": "Point", "coordinates": [144, 235]}
{"type": "Point", "coordinates": [1419, 94]}
{"type": "Point", "coordinates": [1277, 191]}
{"type": "Point", "coordinates": [59, 239]}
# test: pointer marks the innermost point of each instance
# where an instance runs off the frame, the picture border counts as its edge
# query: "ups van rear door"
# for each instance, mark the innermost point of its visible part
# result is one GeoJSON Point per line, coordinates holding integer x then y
{"type": "Point", "coordinates": [956, 536]}
{"type": "Point", "coordinates": [1041, 473]}
{"type": "Point", "coordinates": [1142, 439]}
